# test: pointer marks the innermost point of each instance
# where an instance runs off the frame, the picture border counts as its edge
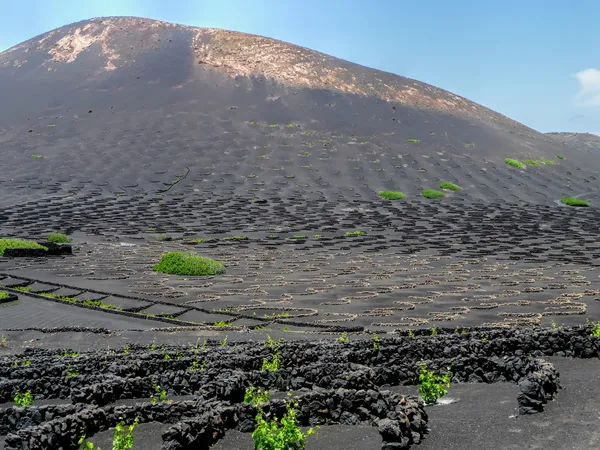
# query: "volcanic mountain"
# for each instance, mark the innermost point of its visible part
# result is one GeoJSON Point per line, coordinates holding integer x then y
{"type": "Point", "coordinates": [132, 106]}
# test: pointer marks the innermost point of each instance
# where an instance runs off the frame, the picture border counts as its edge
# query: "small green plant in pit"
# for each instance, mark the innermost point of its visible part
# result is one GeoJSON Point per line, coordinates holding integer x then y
{"type": "Point", "coordinates": [151, 228]}
{"type": "Point", "coordinates": [19, 243]}
{"type": "Point", "coordinates": [414, 141]}
{"type": "Point", "coordinates": [431, 385]}
{"type": "Point", "coordinates": [164, 237]}
{"type": "Point", "coordinates": [317, 236]}
{"type": "Point", "coordinates": [531, 162]}
{"type": "Point", "coordinates": [515, 163]}
{"type": "Point", "coordinates": [166, 355]}
{"type": "Point", "coordinates": [273, 363]}
{"type": "Point", "coordinates": [286, 435]}
{"type": "Point", "coordinates": [411, 333]}
{"type": "Point", "coordinates": [197, 366]}
{"type": "Point", "coordinates": [376, 342]}
{"type": "Point", "coordinates": [58, 238]}
{"type": "Point", "coordinates": [23, 399]}
{"type": "Point", "coordinates": [254, 396]}
{"type": "Point", "coordinates": [222, 324]}
{"type": "Point", "coordinates": [432, 194]}
{"type": "Point", "coordinates": [434, 331]}
{"type": "Point", "coordinates": [122, 438]}
{"type": "Point", "coordinates": [547, 161]}
{"type": "Point", "coordinates": [236, 238]}
{"type": "Point", "coordinates": [69, 354]}
{"type": "Point", "coordinates": [343, 339]}
{"type": "Point", "coordinates": [485, 338]}
{"type": "Point", "coordinates": [355, 233]}
{"type": "Point", "coordinates": [560, 157]}
{"type": "Point", "coordinates": [392, 195]}
{"type": "Point", "coordinates": [187, 263]}
{"type": "Point", "coordinates": [595, 328]}
{"type": "Point", "coordinates": [126, 350]}
{"type": "Point", "coordinates": [570, 201]}
{"type": "Point", "coordinates": [272, 236]}
{"type": "Point", "coordinates": [450, 186]}
{"type": "Point", "coordinates": [223, 343]}
{"type": "Point", "coordinates": [4, 295]}
{"type": "Point", "coordinates": [72, 372]}
{"type": "Point", "coordinates": [36, 156]}
{"type": "Point", "coordinates": [556, 326]}
{"type": "Point", "coordinates": [159, 395]}
{"type": "Point", "coordinates": [3, 342]}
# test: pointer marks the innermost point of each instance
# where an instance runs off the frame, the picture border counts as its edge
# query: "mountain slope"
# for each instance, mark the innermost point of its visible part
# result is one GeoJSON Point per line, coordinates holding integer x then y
{"type": "Point", "coordinates": [135, 106]}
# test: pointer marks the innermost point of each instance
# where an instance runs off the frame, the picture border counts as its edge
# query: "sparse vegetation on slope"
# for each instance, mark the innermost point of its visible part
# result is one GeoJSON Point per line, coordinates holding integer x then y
{"type": "Point", "coordinates": [187, 263]}
{"type": "Point", "coordinates": [392, 195]}
{"type": "Point", "coordinates": [570, 201]}
{"type": "Point", "coordinates": [515, 163]}
{"type": "Point", "coordinates": [432, 193]}
{"type": "Point", "coordinates": [19, 243]}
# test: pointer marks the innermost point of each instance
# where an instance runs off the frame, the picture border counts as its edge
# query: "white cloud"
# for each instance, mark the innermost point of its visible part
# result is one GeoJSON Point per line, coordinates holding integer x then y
{"type": "Point", "coordinates": [589, 87]}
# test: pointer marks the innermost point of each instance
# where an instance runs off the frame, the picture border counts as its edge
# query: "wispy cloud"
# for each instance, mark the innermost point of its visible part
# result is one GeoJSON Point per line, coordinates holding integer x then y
{"type": "Point", "coordinates": [589, 87]}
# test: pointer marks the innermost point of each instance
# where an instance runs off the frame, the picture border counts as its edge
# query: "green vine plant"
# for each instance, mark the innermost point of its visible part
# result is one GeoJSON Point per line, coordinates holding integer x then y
{"type": "Point", "coordinates": [273, 363]}
{"type": "Point", "coordinates": [159, 395]}
{"type": "Point", "coordinates": [376, 342]}
{"type": "Point", "coordinates": [280, 435]}
{"type": "Point", "coordinates": [343, 339]}
{"type": "Point", "coordinates": [254, 396]}
{"type": "Point", "coordinates": [432, 386]}
{"type": "Point", "coordinates": [122, 438]}
{"type": "Point", "coordinates": [595, 328]}
{"type": "Point", "coordinates": [23, 398]}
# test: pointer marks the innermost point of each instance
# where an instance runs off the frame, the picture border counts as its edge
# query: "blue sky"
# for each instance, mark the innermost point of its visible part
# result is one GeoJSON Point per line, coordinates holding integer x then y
{"type": "Point", "coordinates": [536, 61]}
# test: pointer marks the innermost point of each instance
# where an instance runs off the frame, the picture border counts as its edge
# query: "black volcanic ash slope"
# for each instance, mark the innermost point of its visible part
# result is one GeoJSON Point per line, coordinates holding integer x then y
{"type": "Point", "coordinates": [135, 106]}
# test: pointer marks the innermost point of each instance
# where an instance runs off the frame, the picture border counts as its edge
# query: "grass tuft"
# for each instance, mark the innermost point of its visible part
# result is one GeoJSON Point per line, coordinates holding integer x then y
{"type": "Point", "coordinates": [570, 201]}
{"type": "Point", "coordinates": [59, 238]}
{"type": "Point", "coordinates": [515, 163]}
{"type": "Point", "coordinates": [450, 186]}
{"type": "Point", "coordinates": [19, 243]}
{"type": "Point", "coordinates": [531, 162]}
{"type": "Point", "coordinates": [560, 157]}
{"type": "Point", "coordinates": [432, 193]}
{"type": "Point", "coordinates": [392, 195]}
{"type": "Point", "coordinates": [547, 161]}
{"type": "Point", "coordinates": [187, 263]}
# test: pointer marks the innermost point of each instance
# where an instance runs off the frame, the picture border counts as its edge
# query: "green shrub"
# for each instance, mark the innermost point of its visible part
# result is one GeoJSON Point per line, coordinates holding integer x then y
{"type": "Point", "coordinates": [164, 237]}
{"type": "Point", "coordinates": [450, 186]}
{"type": "Point", "coordinates": [433, 386]}
{"type": "Point", "coordinates": [355, 233]}
{"type": "Point", "coordinates": [59, 238]}
{"type": "Point", "coordinates": [254, 396]}
{"type": "Point", "coordinates": [19, 243]}
{"type": "Point", "coordinates": [414, 141]}
{"type": "Point", "coordinates": [547, 161]}
{"type": "Point", "coordinates": [570, 201]}
{"type": "Point", "coordinates": [187, 263]}
{"type": "Point", "coordinates": [23, 399]}
{"type": "Point", "coordinates": [36, 156]}
{"type": "Point", "coordinates": [236, 238]}
{"type": "Point", "coordinates": [159, 395]}
{"type": "Point", "coordinates": [515, 163]}
{"type": "Point", "coordinates": [286, 435]}
{"type": "Point", "coordinates": [560, 157]}
{"type": "Point", "coordinates": [392, 195]}
{"type": "Point", "coordinates": [432, 193]}
{"type": "Point", "coordinates": [4, 295]}
{"type": "Point", "coordinates": [531, 162]}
